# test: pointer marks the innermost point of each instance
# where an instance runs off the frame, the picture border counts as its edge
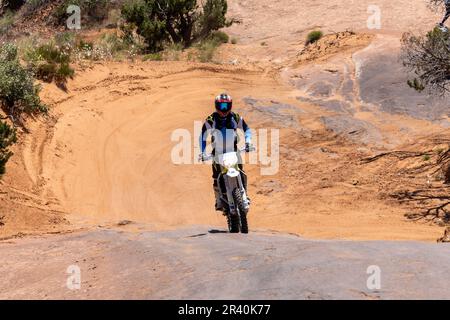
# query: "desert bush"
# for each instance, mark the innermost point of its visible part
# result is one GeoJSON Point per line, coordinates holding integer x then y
{"type": "Point", "coordinates": [113, 43]}
{"type": "Point", "coordinates": [213, 17]}
{"type": "Point", "coordinates": [313, 36]}
{"type": "Point", "coordinates": [206, 50]}
{"type": "Point", "coordinates": [6, 22]}
{"type": "Point", "coordinates": [109, 46]}
{"type": "Point", "coordinates": [11, 5]}
{"type": "Point", "coordinates": [219, 37]}
{"type": "Point", "coordinates": [160, 22]}
{"type": "Point", "coordinates": [113, 19]}
{"type": "Point", "coordinates": [428, 58]}
{"type": "Point", "coordinates": [172, 52]}
{"type": "Point", "coordinates": [31, 6]}
{"type": "Point", "coordinates": [50, 62]}
{"type": "Point", "coordinates": [157, 56]}
{"type": "Point", "coordinates": [7, 138]}
{"type": "Point", "coordinates": [234, 41]}
{"type": "Point", "coordinates": [415, 84]}
{"type": "Point", "coordinates": [18, 93]}
{"type": "Point", "coordinates": [66, 41]}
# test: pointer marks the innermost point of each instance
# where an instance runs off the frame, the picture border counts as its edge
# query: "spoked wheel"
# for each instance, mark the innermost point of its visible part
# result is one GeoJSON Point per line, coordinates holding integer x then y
{"type": "Point", "coordinates": [234, 223]}
{"type": "Point", "coordinates": [242, 217]}
{"type": "Point", "coordinates": [244, 223]}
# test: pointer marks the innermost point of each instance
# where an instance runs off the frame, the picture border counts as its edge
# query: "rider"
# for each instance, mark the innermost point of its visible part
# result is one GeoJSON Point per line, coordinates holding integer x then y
{"type": "Point", "coordinates": [221, 124]}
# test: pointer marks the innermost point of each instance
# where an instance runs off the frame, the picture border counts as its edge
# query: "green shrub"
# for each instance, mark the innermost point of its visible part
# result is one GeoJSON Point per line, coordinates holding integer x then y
{"type": "Point", "coordinates": [157, 56]}
{"type": "Point", "coordinates": [234, 41]}
{"type": "Point", "coordinates": [219, 37]}
{"type": "Point", "coordinates": [109, 46]}
{"type": "Point", "coordinates": [112, 45]}
{"type": "Point", "coordinates": [206, 50]}
{"type": "Point", "coordinates": [416, 84]}
{"type": "Point", "coordinates": [143, 15]}
{"type": "Point", "coordinates": [50, 62]}
{"type": "Point", "coordinates": [160, 22]}
{"type": "Point", "coordinates": [427, 58]}
{"type": "Point", "coordinates": [113, 42]}
{"type": "Point", "coordinates": [31, 6]}
{"type": "Point", "coordinates": [6, 22]}
{"type": "Point", "coordinates": [7, 138]}
{"type": "Point", "coordinates": [113, 19]}
{"type": "Point", "coordinates": [12, 4]}
{"type": "Point", "coordinates": [66, 41]}
{"type": "Point", "coordinates": [84, 45]}
{"type": "Point", "coordinates": [212, 18]}
{"type": "Point", "coordinates": [18, 94]}
{"type": "Point", "coordinates": [314, 36]}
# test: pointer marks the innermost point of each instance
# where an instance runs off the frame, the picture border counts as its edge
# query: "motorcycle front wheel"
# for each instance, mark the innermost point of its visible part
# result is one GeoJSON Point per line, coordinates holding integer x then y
{"type": "Point", "coordinates": [242, 216]}
{"type": "Point", "coordinates": [234, 223]}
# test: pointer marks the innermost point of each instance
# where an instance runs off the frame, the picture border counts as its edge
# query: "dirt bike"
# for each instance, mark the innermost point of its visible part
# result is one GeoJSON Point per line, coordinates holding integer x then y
{"type": "Point", "coordinates": [234, 196]}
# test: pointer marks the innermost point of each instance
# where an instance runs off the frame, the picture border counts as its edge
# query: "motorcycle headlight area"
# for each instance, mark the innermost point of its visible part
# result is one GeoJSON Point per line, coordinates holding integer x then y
{"type": "Point", "coordinates": [228, 160]}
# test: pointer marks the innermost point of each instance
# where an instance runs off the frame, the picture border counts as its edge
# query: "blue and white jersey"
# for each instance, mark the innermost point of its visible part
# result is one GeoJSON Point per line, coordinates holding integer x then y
{"type": "Point", "coordinates": [224, 132]}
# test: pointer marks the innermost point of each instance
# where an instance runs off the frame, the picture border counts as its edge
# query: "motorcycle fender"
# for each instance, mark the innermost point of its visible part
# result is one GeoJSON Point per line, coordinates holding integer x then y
{"type": "Point", "coordinates": [233, 173]}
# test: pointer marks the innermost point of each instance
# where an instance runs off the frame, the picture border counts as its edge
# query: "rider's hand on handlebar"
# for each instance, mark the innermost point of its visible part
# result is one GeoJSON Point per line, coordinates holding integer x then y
{"type": "Point", "coordinates": [249, 147]}
{"type": "Point", "coordinates": [202, 157]}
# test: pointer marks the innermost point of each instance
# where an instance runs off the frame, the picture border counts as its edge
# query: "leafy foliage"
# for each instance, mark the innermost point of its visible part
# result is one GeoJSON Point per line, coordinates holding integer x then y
{"type": "Point", "coordinates": [219, 37]}
{"type": "Point", "coordinates": [7, 138]}
{"type": "Point", "coordinates": [428, 57]}
{"type": "Point", "coordinates": [6, 22]}
{"type": "Point", "coordinates": [213, 17]}
{"type": "Point", "coordinates": [50, 62]}
{"type": "Point", "coordinates": [314, 36]}
{"type": "Point", "coordinates": [18, 94]}
{"type": "Point", "coordinates": [173, 21]}
{"type": "Point", "coordinates": [11, 4]}
{"type": "Point", "coordinates": [31, 6]}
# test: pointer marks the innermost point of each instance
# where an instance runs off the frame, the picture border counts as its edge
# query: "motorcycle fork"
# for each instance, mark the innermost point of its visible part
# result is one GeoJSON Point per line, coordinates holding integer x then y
{"type": "Point", "coordinates": [230, 185]}
{"type": "Point", "coordinates": [241, 185]}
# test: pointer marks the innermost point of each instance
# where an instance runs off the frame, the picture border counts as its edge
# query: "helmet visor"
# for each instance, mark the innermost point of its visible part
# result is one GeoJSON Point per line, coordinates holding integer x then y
{"type": "Point", "coordinates": [224, 106]}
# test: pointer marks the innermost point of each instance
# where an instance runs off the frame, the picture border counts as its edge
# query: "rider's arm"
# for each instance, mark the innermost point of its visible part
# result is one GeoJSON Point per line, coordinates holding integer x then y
{"type": "Point", "coordinates": [247, 132]}
{"type": "Point", "coordinates": [203, 137]}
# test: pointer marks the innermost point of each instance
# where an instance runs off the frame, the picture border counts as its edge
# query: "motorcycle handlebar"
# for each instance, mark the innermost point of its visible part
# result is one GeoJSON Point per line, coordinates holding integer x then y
{"type": "Point", "coordinates": [210, 156]}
